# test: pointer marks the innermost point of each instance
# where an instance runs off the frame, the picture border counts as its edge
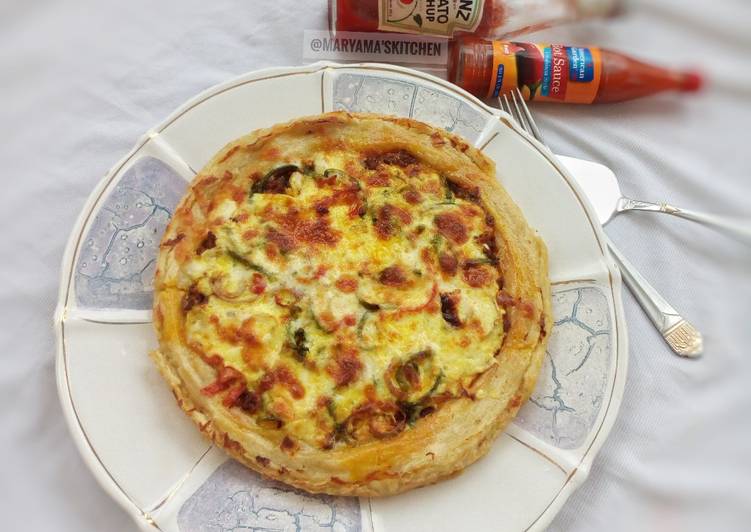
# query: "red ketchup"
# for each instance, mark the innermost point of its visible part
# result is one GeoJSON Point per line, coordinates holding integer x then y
{"type": "Point", "coordinates": [558, 73]}
{"type": "Point", "coordinates": [493, 19]}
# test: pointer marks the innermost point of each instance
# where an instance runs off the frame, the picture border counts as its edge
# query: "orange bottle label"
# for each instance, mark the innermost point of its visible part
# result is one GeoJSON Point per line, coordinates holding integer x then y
{"type": "Point", "coordinates": [546, 72]}
{"type": "Point", "coordinates": [504, 78]}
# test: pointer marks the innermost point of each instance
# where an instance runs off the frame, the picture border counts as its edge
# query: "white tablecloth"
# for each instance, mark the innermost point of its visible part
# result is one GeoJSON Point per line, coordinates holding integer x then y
{"type": "Point", "coordinates": [80, 81]}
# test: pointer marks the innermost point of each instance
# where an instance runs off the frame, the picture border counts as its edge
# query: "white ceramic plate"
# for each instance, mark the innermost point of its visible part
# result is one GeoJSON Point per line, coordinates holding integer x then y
{"type": "Point", "coordinates": [149, 457]}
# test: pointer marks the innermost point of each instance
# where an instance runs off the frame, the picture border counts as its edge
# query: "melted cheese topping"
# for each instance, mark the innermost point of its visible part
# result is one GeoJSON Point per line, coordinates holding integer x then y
{"type": "Point", "coordinates": [352, 294]}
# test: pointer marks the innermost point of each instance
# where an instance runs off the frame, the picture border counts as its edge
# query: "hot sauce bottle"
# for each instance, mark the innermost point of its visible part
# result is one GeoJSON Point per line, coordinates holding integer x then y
{"type": "Point", "coordinates": [493, 19]}
{"type": "Point", "coordinates": [558, 73]}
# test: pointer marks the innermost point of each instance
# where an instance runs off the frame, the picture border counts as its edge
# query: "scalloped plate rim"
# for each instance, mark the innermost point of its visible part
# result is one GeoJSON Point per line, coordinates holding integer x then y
{"type": "Point", "coordinates": [576, 477]}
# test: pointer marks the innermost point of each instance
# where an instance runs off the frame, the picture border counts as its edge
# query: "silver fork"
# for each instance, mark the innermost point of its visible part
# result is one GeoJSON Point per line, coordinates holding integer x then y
{"type": "Point", "coordinates": [681, 336]}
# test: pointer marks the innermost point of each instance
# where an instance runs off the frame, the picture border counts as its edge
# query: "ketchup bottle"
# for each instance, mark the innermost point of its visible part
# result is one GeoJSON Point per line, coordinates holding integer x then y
{"type": "Point", "coordinates": [558, 73]}
{"type": "Point", "coordinates": [493, 19]}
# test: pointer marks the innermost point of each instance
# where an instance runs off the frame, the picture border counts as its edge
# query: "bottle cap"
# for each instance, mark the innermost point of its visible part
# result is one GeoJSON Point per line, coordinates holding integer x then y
{"type": "Point", "coordinates": [692, 81]}
{"type": "Point", "coordinates": [597, 8]}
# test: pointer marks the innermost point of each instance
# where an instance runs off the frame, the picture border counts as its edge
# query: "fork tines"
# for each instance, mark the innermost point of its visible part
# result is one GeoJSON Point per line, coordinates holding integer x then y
{"type": "Point", "coordinates": [519, 111]}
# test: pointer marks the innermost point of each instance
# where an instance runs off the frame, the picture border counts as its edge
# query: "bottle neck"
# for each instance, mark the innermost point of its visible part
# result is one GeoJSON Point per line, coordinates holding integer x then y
{"type": "Point", "coordinates": [625, 78]}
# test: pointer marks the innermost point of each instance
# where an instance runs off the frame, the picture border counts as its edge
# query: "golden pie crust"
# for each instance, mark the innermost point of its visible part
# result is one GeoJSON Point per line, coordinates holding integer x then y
{"type": "Point", "coordinates": [351, 303]}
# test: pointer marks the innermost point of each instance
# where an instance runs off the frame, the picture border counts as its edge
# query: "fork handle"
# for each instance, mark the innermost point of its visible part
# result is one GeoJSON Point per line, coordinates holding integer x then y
{"type": "Point", "coordinates": [659, 311]}
{"type": "Point", "coordinates": [740, 228]}
{"type": "Point", "coordinates": [737, 227]}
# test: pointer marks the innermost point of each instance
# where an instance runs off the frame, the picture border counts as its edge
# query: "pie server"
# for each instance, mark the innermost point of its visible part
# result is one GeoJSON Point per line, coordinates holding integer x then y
{"type": "Point", "coordinates": [602, 189]}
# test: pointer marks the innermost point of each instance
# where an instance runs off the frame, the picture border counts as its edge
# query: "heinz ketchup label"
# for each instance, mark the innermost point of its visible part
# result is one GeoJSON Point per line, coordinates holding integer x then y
{"type": "Point", "coordinates": [434, 17]}
{"type": "Point", "coordinates": [546, 72]}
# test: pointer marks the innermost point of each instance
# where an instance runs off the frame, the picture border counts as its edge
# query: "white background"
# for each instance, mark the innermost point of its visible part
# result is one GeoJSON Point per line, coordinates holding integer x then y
{"type": "Point", "coordinates": [80, 81]}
